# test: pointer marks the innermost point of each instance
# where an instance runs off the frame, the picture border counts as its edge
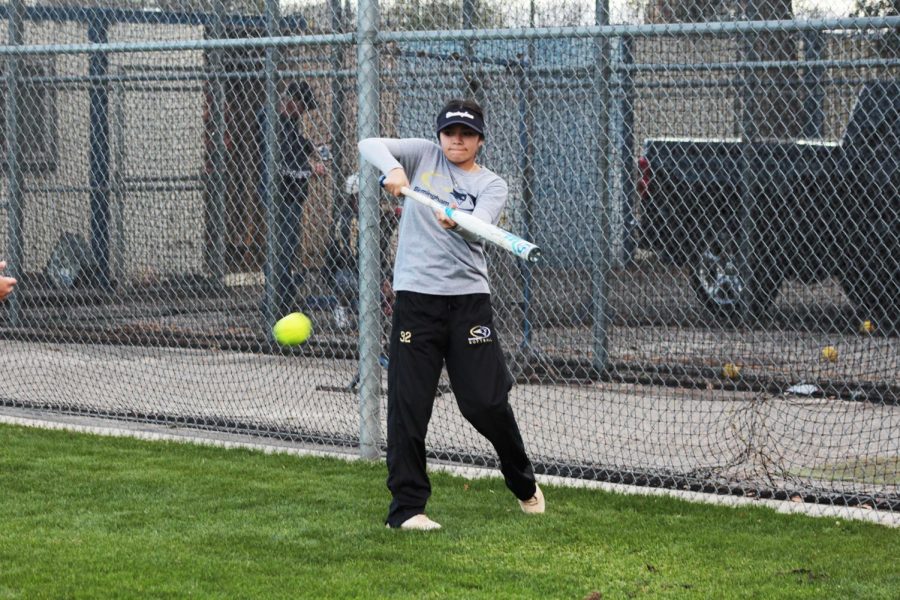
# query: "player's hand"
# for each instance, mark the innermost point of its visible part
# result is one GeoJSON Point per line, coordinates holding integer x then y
{"type": "Point", "coordinates": [445, 221]}
{"type": "Point", "coordinates": [395, 180]}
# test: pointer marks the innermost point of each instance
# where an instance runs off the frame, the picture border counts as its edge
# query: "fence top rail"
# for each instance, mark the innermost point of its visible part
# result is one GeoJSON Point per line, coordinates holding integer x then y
{"type": "Point", "coordinates": [758, 64]}
{"type": "Point", "coordinates": [646, 30]}
{"type": "Point", "coordinates": [114, 15]}
{"type": "Point", "coordinates": [180, 45]}
{"type": "Point", "coordinates": [601, 31]}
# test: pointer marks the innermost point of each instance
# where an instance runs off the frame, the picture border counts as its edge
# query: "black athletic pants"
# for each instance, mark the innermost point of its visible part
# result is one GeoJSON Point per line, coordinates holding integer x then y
{"type": "Point", "coordinates": [428, 330]}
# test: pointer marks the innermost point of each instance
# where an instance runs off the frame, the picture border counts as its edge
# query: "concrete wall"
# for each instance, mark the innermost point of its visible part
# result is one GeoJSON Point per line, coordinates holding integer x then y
{"type": "Point", "coordinates": [160, 136]}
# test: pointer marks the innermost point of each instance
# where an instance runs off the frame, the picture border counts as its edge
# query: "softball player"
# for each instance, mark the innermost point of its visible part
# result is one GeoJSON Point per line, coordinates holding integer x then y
{"type": "Point", "coordinates": [442, 311]}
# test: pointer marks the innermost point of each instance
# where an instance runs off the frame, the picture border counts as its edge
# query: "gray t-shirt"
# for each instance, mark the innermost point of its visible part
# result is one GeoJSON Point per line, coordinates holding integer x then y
{"type": "Point", "coordinates": [431, 259]}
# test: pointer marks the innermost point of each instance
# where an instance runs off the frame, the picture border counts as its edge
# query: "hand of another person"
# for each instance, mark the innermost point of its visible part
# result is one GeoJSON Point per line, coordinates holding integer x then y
{"type": "Point", "coordinates": [318, 169]}
{"type": "Point", "coordinates": [6, 283]}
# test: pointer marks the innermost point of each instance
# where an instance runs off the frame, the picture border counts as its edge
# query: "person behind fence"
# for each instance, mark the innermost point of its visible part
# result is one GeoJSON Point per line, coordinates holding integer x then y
{"type": "Point", "coordinates": [298, 164]}
{"type": "Point", "coordinates": [341, 254]}
{"type": "Point", "coordinates": [442, 311]}
{"type": "Point", "coordinates": [6, 283]}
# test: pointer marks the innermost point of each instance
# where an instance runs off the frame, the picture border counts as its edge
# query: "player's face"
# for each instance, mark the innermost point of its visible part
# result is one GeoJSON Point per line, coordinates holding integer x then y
{"type": "Point", "coordinates": [460, 145]}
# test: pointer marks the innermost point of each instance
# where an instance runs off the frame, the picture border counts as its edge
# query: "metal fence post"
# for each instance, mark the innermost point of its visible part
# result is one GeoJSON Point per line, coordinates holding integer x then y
{"type": "Point", "coordinates": [14, 192]}
{"type": "Point", "coordinates": [369, 248]}
{"type": "Point", "coordinates": [601, 252]}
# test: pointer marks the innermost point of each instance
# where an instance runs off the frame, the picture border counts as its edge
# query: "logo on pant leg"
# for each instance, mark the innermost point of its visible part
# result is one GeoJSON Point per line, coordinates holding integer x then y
{"type": "Point", "coordinates": [480, 335]}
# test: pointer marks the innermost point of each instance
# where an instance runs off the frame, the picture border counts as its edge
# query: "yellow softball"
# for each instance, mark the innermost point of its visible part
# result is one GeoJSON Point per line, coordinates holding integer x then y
{"type": "Point", "coordinates": [830, 353]}
{"type": "Point", "coordinates": [293, 329]}
{"type": "Point", "coordinates": [731, 371]}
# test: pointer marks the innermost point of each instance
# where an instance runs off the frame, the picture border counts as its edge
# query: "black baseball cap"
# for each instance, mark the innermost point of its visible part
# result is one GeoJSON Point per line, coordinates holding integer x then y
{"type": "Point", "coordinates": [461, 112]}
{"type": "Point", "coordinates": [301, 92]}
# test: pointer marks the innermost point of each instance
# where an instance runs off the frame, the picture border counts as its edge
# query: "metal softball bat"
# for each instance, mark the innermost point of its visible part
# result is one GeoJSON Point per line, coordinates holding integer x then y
{"type": "Point", "coordinates": [510, 242]}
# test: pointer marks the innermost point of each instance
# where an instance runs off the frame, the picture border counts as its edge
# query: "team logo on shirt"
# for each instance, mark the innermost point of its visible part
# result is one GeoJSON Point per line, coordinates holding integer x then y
{"type": "Point", "coordinates": [463, 199]}
{"type": "Point", "coordinates": [441, 188]}
{"type": "Point", "coordinates": [436, 183]}
{"type": "Point", "coordinates": [480, 335]}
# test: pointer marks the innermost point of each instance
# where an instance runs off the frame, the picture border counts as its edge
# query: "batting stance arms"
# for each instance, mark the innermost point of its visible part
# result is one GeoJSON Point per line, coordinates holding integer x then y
{"type": "Point", "coordinates": [430, 259]}
{"type": "Point", "coordinates": [6, 283]}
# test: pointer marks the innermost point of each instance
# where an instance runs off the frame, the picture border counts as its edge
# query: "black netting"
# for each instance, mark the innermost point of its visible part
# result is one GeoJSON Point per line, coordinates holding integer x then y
{"type": "Point", "coordinates": [714, 187]}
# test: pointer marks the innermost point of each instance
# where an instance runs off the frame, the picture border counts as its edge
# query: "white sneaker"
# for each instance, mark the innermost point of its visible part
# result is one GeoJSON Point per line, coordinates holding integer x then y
{"type": "Point", "coordinates": [419, 522]}
{"type": "Point", "coordinates": [534, 505]}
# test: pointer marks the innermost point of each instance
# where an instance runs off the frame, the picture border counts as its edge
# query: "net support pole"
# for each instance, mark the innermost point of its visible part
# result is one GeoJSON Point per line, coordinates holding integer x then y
{"type": "Point", "coordinates": [625, 99]}
{"type": "Point", "coordinates": [269, 177]}
{"type": "Point", "coordinates": [749, 137]}
{"type": "Point", "coordinates": [473, 85]}
{"type": "Point", "coordinates": [526, 166]}
{"type": "Point", "coordinates": [813, 90]}
{"type": "Point", "coordinates": [117, 177]}
{"type": "Point", "coordinates": [14, 191]}
{"type": "Point", "coordinates": [601, 242]}
{"type": "Point", "coordinates": [216, 178]}
{"type": "Point", "coordinates": [338, 136]}
{"type": "Point", "coordinates": [369, 247]}
{"type": "Point", "coordinates": [99, 150]}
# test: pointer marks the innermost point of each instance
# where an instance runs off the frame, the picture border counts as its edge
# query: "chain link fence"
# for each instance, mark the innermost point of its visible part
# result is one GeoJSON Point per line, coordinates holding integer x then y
{"type": "Point", "coordinates": [714, 187]}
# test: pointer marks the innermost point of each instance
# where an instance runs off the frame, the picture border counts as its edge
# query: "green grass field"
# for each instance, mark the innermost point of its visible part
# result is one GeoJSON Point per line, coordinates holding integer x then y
{"type": "Point", "coordinates": [96, 517]}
